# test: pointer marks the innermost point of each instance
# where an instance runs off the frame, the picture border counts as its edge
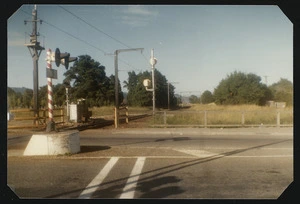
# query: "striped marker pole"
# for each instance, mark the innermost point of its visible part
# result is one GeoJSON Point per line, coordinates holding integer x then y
{"type": "Point", "coordinates": [50, 106]}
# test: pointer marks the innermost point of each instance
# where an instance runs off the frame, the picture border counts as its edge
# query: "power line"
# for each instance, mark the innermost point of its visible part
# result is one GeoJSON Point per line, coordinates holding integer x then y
{"type": "Point", "coordinates": [74, 36]}
{"type": "Point", "coordinates": [99, 30]}
{"type": "Point", "coordinates": [94, 27]}
{"type": "Point", "coordinates": [61, 30]}
{"type": "Point", "coordinates": [77, 38]}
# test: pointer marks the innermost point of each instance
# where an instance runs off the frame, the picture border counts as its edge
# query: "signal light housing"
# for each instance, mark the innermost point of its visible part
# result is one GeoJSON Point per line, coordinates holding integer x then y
{"type": "Point", "coordinates": [63, 58]}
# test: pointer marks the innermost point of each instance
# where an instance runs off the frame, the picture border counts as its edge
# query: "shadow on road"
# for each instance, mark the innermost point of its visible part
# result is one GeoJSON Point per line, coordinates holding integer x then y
{"type": "Point", "coordinates": [144, 184]}
{"type": "Point", "coordinates": [86, 149]}
{"type": "Point", "coordinates": [153, 188]}
{"type": "Point", "coordinates": [175, 139]}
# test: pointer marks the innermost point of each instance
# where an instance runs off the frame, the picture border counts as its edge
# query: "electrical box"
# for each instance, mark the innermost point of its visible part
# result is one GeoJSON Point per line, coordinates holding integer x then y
{"type": "Point", "coordinates": [79, 113]}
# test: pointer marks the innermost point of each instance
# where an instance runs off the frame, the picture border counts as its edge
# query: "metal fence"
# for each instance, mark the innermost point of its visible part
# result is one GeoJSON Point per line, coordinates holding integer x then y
{"type": "Point", "coordinates": [217, 118]}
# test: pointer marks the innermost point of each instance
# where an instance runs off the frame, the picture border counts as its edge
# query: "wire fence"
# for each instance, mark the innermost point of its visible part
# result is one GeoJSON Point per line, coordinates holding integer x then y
{"type": "Point", "coordinates": [213, 118]}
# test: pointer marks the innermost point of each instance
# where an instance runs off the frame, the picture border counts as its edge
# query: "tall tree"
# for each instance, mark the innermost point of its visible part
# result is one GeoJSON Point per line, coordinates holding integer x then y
{"type": "Point", "coordinates": [59, 95]}
{"type": "Point", "coordinates": [194, 99]}
{"type": "Point", "coordinates": [283, 91]}
{"type": "Point", "coordinates": [89, 81]}
{"type": "Point", "coordinates": [43, 96]}
{"type": "Point", "coordinates": [241, 88]}
{"type": "Point", "coordinates": [138, 96]}
{"type": "Point", "coordinates": [207, 97]}
{"type": "Point", "coordinates": [28, 98]}
{"type": "Point", "coordinates": [11, 98]}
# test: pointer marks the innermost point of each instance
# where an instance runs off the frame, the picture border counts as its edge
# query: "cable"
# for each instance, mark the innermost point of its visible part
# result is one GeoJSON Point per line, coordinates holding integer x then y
{"type": "Point", "coordinates": [94, 27]}
{"type": "Point", "coordinates": [99, 30]}
{"type": "Point", "coordinates": [74, 37]}
{"type": "Point", "coordinates": [67, 33]}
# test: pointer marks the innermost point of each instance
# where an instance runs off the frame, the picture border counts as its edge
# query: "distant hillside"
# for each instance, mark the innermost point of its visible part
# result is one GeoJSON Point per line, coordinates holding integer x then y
{"type": "Point", "coordinates": [19, 89]}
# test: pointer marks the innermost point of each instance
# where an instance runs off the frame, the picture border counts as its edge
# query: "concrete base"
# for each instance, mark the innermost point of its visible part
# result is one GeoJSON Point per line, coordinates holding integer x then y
{"type": "Point", "coordinates": [53, 143]}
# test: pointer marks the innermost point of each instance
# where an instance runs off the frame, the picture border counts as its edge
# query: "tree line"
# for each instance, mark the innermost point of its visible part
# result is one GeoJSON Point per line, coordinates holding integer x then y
{"type": "Point", "coordinates": [241, 88]}
{"type": "Point", "coordinates": [87, 79]}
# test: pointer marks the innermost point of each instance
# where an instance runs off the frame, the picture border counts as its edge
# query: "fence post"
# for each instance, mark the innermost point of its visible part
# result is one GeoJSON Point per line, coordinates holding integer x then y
{"type": "Point", "coordinates": [205, 119]}
{"type": "Point", "coordinates": [165, 118]}
{"type": "Point", "coordinates": [127, 115]}
{"type": "Point", "coordinates": [278, 118]}
{"type": "Point", "coordinates": [116, 117]}
{"type": "Point", "coordinates": [243, 118]}
{"type": "Point", "coordinates": [62, 115]}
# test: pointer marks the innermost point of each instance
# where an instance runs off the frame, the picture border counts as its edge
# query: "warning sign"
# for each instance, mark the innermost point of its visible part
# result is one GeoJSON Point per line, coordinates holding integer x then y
{"type": "Point", "coordinates": [51, 73]}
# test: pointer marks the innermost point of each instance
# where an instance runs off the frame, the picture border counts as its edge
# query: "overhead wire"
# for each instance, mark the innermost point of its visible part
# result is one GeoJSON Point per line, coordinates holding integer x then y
{"type": "Point", "coordinates": [115, 39]}
{"type": "Point", "coordinates": [84, 41]}
{"type": "Point", "coordinates": [77, 38]}
{"type": "Point", "coordinates": [94, 26]}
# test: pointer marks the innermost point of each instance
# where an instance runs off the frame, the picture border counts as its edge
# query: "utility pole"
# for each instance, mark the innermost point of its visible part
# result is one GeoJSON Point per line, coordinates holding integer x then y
{"type": "Point", "coordinates": [117, 82]}
{"type": "Point", "coordinates": [153, 62]}
{"type": "Point", "coordinates": [146, 82]}
{"type": "Point", "coordinates": [169, 92]}
{"type": "Point", "coordinates": [35, 51]}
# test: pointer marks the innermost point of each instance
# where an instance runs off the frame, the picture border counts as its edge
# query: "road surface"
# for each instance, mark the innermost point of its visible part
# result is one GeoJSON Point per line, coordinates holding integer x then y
{"type": "Point", "coordinates": [255, 163]}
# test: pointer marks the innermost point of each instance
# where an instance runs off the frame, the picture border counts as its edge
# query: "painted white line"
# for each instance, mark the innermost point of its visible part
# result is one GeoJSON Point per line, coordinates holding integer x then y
{"type": "Point", "coordinates": [92, 187]}
{"type": "Point", "coordinates": [129, 189]}
{"type": "Point", "coordinates": [261, 156]}
{"type": "Point", "coordinates": [176, 157]}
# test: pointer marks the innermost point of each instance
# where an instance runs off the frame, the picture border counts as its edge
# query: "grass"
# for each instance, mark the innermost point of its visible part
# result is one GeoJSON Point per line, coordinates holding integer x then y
{"type": "Point", "coordinates": [226, 115]}
{"type": "Point", "coordinates": [195, 115]}
{"type": "Point", "coordinates": [109, 110]}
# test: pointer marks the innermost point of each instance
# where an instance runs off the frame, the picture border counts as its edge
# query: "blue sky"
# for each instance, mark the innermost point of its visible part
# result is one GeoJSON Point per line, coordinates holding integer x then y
{"type": "Point", "coordinates": [196, 46]}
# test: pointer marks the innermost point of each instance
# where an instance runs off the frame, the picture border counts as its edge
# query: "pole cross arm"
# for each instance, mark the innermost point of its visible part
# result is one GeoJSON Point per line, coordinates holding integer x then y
{"type": "Point", "coordinates": [127, 50]}
{"type": "Point", "coordinates": [117, 81]}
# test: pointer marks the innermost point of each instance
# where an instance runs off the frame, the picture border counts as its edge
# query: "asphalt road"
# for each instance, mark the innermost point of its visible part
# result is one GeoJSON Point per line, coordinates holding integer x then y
{"type": "Point", "coordinates": [244, 163]}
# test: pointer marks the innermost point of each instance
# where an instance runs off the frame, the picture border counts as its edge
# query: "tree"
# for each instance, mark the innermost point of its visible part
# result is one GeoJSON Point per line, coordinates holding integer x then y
{"type": "Point", "coordinates": [241, 88]}
{"type": "Point", "coordinates": [194, 99]}
{"type": "Point", "coordinates": [28, 98]}
{"type": "Point", "coordinates": [139, 96]}
{"type": "Point", "coordinates": [11, 98]}
{"type": "Point", "coordinates": [207, 97]}
{"type": "Point", "coordinates": [89, 81]}
{"type": "Point", "coordinates": [283, 91]}
{"type": "Point", "coordinates": [59, 95]}
{"type": "Point", "coordinates": [43, 96]}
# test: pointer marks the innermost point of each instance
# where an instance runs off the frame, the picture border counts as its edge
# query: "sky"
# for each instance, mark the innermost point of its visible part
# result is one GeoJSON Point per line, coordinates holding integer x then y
{"type": "Point", "coordinates": [195, 46]}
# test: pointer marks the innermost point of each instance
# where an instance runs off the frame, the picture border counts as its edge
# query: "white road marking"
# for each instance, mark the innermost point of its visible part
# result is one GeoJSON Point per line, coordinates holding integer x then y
{"type": "Point", "coordinates": [178, 157]}
{"type": "Point", "coordinates": [94, 184]}
{"type": "Point", "coordinates": [129, 189]}
{"type": "Point", "coordinates": [197, 153]}
{"type": "Point", "coordinates": [261, 156]}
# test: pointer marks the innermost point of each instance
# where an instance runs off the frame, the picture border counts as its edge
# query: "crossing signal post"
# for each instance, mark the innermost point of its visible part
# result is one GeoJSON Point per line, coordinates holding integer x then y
{"type": "Point", "coordinates": [58, 58]}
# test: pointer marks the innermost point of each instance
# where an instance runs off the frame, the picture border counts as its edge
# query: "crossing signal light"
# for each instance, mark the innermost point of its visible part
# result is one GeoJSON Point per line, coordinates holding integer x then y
{"type": "Point", "coordinates": [63, 58]}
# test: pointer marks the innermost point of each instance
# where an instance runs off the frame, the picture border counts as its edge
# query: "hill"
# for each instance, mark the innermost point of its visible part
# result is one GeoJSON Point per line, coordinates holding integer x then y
{"type": "Point", "coordinates": [19, 89]}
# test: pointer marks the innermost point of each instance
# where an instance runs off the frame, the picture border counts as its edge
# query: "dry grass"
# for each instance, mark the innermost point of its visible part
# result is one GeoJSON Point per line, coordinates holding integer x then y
{"type": "Point", "coordinates": [195, 115]}
{"type": "Point", "coordinates": [109, 110]}
{"type": "Point", "coordinates": [227, 115]}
